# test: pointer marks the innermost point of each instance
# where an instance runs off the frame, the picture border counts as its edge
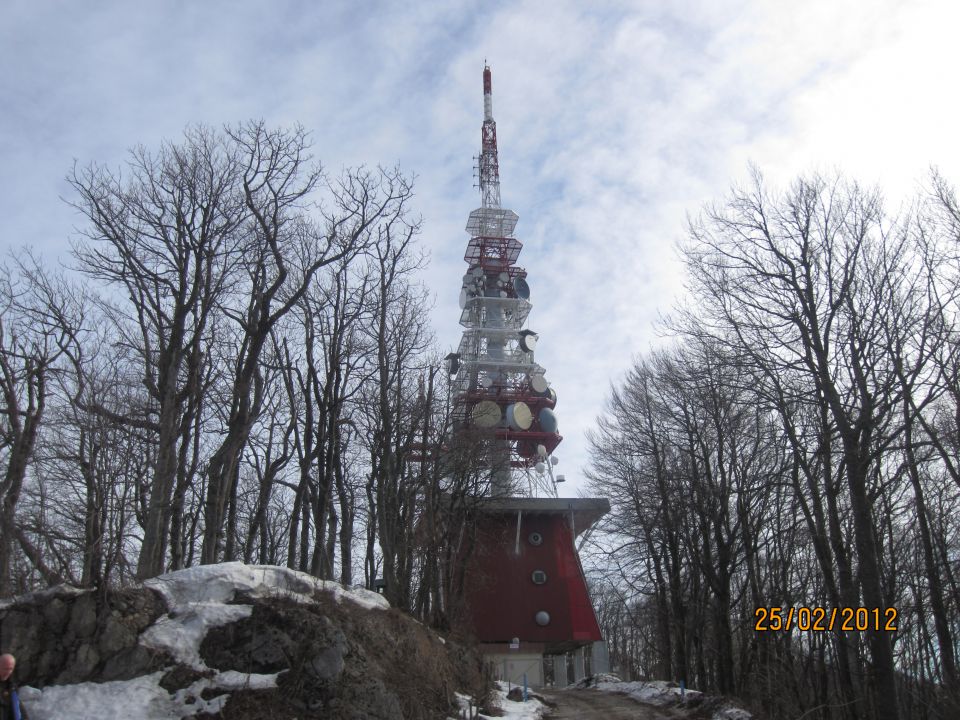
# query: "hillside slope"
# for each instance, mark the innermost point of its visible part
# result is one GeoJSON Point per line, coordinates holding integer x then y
{"type": "Point", "coordinates": [231, 641]}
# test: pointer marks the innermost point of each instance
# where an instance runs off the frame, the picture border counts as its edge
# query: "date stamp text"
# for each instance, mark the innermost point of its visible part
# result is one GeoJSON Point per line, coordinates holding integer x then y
{"type": "Point", "coordinates": [820, 619]}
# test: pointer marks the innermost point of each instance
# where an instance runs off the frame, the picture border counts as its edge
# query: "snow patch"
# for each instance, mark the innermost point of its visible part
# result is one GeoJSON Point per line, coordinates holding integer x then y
{"type": "Point", "coordinates": [532, 709]}
{"type": "Point", "coordinates": [220, 584]}
{"type": "Point", "coordinates": [652, 692]}
{"type": "Point", "coordinates": [234, 680]}
{"type": "Point", "coordinates": [732, 713]}
{"type": "Point", "coordinates": [661, 692]}
{"type": "Point", "coordinates": [182, 630]}
{"type": "Point", "coordinates": [141, 697]}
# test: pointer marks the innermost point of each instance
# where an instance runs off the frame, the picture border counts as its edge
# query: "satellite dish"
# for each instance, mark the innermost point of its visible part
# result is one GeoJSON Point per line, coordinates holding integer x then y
{"type": "Point", "coordinates": [554, 460]}
{"type": "Point", "coordinates": [519, 416]}
{"type": "Point", "coordinates": [552, 395]}
{"type": "Point", "coordinates": [504, 277]}
{"type": "Point", "coordinates": [540, 467]}
{"type": "Point", "coordinates": [463, 298]}
{"type": "Point", "coordinates": [453, 363]}
{"type": "Point", "coordinates": [542, 450]}
{"type": "Point", "coordinates": [477, 271]}
{"type": "Point", "coordinates": [548, 421]}
{"type": "Point", "coordinates": [560, 479]}
{"type": "Point", "coordinates": [528, 340]}
{"type": "Point", "coordinates": [538, 383]}
{"type": "Point", "coordinates": [486, 414]}
{"type": "Point", "coordinates": [521, 288]}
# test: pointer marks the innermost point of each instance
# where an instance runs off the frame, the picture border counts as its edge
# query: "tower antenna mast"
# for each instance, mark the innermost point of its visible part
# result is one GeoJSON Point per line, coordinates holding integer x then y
{"type": "Point", "coordinates": [489, 164]}
{"type": "Point", "coordinates": [499, 387]}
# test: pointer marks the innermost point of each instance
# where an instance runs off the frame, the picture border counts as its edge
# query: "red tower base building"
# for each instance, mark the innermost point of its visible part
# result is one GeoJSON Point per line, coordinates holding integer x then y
{"type": "Point", "coordinates": [526, 595]}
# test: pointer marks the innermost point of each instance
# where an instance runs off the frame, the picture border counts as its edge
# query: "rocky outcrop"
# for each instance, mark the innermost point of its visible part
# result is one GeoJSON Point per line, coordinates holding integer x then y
{"type": "Point", "coordinates": [236, 641]}
{"type": "Point", "coordinates": [64, 635]}
{"type": "Point", "coordinates": [343, 662]}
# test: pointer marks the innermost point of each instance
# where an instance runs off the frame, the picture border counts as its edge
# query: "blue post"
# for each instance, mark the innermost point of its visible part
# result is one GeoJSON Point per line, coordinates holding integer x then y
{"type": "Point", "coordinates": [524, 687]}
{"type": "Point", "coordinates": [682, 689]}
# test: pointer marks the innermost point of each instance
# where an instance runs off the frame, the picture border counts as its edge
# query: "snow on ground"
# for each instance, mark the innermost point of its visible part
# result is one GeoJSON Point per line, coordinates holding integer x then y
{"type": "Point", "coordinates": [661, 692]}
{"type": "Point", "coordinates": [532, 709]}
{"type": "Point", "coordinates": [652, 692]}
{"type": "Point", "coordinates": [198, 599]}
{"type": "Point", "coordinates": [732, 713]}
{"type": "Point", "coordinates": [141, 698]}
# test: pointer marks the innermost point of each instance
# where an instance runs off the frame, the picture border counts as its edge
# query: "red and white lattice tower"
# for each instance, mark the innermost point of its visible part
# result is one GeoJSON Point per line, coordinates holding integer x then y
{"type": "Point", "coordinates": [525, 594]}
{"type": "Point", "coordinates": [498, 385]}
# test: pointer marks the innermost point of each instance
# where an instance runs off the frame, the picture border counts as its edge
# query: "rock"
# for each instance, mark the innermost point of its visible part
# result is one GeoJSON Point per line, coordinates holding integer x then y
{"type": "Point", "coordinates": [116, 635]}
{"type": "Point", "coordinates": [68, 635]}
{"type": "Point", "coordinates": [138, 607]}
{"type": "Point", "coordinates": [271, 646]}
{"type": "Point", "coordinates": [81, 665]}
{"type": "Point", "coordinates": [334, 658]}
{"type": "Point", "coordinates": [262, 643]}
{"type": "Point", "coordinates": [133, 662]}
{"type": "Point", "coordinates": [370, 699]}
{"type": "Point", "coordinates": [55, 614]}
{"type": "Point", "coordinates": [327, 664]}
{"type": "Point", "coordinates": [515, 694]}
{"type": "Point", "coordinates": [21, 629]}
{"type": "Point", "coordinates": [83, 617]}
{"type": "Point", "coordinates": [181, 676]}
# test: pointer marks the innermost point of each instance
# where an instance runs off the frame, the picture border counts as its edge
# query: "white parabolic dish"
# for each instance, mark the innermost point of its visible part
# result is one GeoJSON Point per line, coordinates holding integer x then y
{"type": "Point", "coordinates": [486, 414]}
{"type": "Point", "coordinates": [519, 416]}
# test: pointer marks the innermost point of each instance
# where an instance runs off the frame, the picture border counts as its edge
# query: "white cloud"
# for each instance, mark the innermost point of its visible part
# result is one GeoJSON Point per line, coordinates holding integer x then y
{"type": "Point", "coordinates": [614, 121]}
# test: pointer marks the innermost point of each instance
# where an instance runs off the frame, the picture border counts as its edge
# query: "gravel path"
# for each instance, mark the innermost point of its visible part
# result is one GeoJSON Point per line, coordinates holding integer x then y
{"type": "Point", "coordinates": [596, 705]}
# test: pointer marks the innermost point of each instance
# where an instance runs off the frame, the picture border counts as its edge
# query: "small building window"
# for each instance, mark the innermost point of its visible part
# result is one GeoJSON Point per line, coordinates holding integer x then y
{"type": "Point", "coordinates": [535, 539]}
{"type": "Point", "coordinates": [539, 577]}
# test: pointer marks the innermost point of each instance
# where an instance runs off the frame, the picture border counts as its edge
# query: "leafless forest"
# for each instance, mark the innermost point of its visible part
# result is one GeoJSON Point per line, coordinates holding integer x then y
{"type": "Point", "coordinates": [796, 446]}
{"type": "Point", "coordinates": [237, 365]}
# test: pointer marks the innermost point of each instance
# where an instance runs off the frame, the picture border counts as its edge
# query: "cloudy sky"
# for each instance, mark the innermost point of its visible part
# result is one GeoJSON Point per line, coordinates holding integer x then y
{"type": "Point", "coordinates": [615, 121]}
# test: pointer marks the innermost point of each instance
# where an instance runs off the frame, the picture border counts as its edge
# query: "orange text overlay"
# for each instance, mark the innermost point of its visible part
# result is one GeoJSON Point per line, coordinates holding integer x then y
{"type": "Point", "coordinates": [818, 619]}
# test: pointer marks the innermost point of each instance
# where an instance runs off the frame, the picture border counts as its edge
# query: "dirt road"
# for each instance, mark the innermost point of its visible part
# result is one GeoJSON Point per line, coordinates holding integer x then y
{"type": "Point", "coordinates": [596, 705]}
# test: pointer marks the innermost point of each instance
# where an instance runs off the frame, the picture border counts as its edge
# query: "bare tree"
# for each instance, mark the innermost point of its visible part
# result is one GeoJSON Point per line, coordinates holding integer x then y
{"type": "Point", "coordinates": [166, 239]}
{"type": "Point", "coordinates": [28, 354]}
{"type": "Point", "coordinates": [285, 247]}
{"type": "Point", "coordinates": [800, 285]}
{"type": "Point", "coordinates": [787, 452]}
{"type": "Point", "coordinates": [400, 340]}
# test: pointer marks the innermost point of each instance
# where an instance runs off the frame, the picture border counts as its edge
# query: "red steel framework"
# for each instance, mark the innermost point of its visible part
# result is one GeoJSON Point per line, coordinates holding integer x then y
{"type": "Point", "coordinates": [498, 384]}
